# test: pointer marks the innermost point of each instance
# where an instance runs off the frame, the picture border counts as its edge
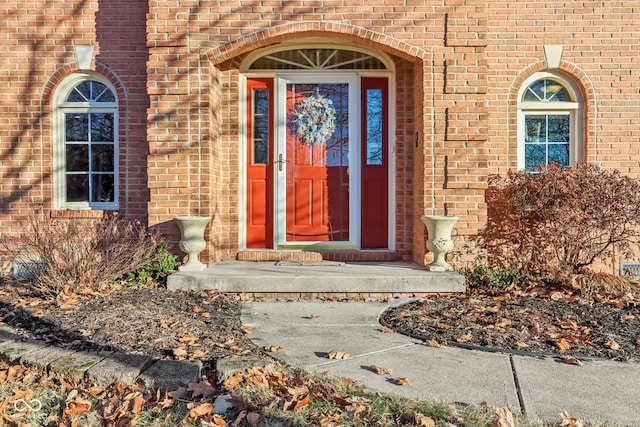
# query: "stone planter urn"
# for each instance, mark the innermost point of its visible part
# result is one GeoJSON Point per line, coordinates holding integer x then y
{"type": "Point", "coordinates": [192, 240]}
{"type": "Point", "coordinates": [439, 229]}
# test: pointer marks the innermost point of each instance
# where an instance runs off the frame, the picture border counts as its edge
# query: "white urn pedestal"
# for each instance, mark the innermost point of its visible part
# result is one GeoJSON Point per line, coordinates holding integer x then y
{"type": "Point", "coordinates": [192, 240]}
{"type": "Point", "coordinates": [439, 228]}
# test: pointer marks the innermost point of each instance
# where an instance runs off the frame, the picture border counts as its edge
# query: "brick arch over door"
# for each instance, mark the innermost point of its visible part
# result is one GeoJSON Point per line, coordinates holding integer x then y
{"type": "Point", "coordinates": [572, 72]}
{"type": "Point", "coordinates": [269, 36]}
{"type": "Point", "coordinates": [415, 64]}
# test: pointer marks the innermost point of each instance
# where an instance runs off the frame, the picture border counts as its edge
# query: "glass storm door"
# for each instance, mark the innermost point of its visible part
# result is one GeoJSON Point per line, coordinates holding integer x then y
{"type": "Point", "coordinates": [317, 182]}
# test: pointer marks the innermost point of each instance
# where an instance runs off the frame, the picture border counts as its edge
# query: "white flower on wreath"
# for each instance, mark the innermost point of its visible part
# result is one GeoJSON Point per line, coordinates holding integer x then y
{"type": "Point", "coordinates": [315, 119]}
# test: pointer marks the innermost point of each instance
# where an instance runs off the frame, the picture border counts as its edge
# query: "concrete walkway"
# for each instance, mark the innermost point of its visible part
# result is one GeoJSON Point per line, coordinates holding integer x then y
{"type": "Point", "coordinates": [541, 388]}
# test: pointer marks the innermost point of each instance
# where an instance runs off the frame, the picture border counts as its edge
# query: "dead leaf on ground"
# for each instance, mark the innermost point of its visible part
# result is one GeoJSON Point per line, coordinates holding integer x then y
{"type": "Point", "coordinates": [203, 388]}
{"type": "Point", "coordinates": [421, 420]}
{"type": "Point", "coordinates": [77, 408]}
{"type": "Point", "coordinates": [443, 326]}
{"type": "Point", "coordinates": [464, 338]}
{"type": "Point", "coordinates": [562, 344]}
{"type": "Point", "coordinates": [200, 410]}
{"type": "Point", "coordinates": [386, 330]}
{"type": "Point", "coordinates": [638, 341]}
{"type": "Point", "coordinates": [380, 370]}
{"type": "Point", "coordinates": [571, 360]}
{"type": "Point", "coordinates": [337, 355]}
{"type": "Point", "coordinates": [272, 348]}
{"type": "Point", "coordinates": [521, 344]}
{"type": "Point", "coordinates": [433, 343]}
{"type": "Point", "coordinates": [402, 381]}
{"type": "Point", "coordinates": [311, 316]}
{"type": "Point", "coordinates": [567, 420]}
{"type": "Point", "coordinates": [626, 317]}
{"type": "Point", "coordinates": [246, 329]}
{"type": "Point", "coordinates": [613, 345]}
{"type": "Point", "coordinates": [503, 418]}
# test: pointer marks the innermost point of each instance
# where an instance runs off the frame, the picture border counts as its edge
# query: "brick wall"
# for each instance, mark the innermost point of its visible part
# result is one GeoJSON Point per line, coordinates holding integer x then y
{"type": "Point", "coordinates": [36, 54]}
{"type": "Point", "coordinates": [175, 64]}
{"type": "Point", "coordinates": [196, 48]}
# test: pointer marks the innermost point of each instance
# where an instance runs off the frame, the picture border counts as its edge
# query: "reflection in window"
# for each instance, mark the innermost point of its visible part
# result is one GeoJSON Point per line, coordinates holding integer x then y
{"type": "Point", "coordinates": [546, 139]}
{"type": "Point", "coordinates": [90, 145]}
{"type": "Point", "coordinates": [260, 126]}
{"type": "Point", "coordinates": [374, 126]}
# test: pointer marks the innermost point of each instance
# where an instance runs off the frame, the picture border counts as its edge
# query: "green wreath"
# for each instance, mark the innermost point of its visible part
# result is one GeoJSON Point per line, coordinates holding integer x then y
{"type": "Point", "coordinates": [314, 119]}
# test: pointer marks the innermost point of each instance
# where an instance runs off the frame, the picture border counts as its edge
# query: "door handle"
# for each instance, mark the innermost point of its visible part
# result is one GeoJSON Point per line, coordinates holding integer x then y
{"type": "Point", "coordinates": [280, 162]}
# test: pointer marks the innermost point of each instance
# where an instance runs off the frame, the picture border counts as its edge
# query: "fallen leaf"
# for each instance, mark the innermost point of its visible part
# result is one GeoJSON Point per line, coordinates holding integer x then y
{"type": "Point", "coordinates": [217, 420]}
{"type": "Point", "coordinates": [311, 316]}
{"type": "Point", "coordinates": [380, 370]}
{"type": "Point", "coordinates": [443, 326]}
{"type": "Point", "coordinates": [253, 418]}
{"type": "Point", "coordinates": [37, 312]}
{"type": "Point", "coordinates": [624, 317]}
{"type": "Point", "coordinates": [386, 330]}
{"type": "Point", "coordinates": [571, 360]}
{"type": "Point", "coordinates": [138, 404]}
{"type": "Point", "coordinates": [535, 329]}
{"type": "Point", "coordinates": [433, 343]}
{"type": "Point", "coordinates": [464, 338]}
{"type": "Point", "coordinates": [521, 344]}
{"type": "Point", "coordinates": [77, 408]}
{"type": "Point", "coordinates": [180, 352]}
{"type": "Point", "coordinates": [503, 418]}
{"type": "Point", "coordinates": [272, 348]}
{"type": "Point", "coordinates": [296, 402]}
{"type": "Point", "coordinates": [232, 382]}
{"type": "Point", "coordinates": [178, 393]}
{"type": "Point", "coordinates": [337, 355]}
{"type": "Point", "coordinates": [567, 420]}
{"type": "Point", "coordinates": [421, 420]}
{"type": "Point", "coordinates": [402, 381]}
{"type": "Point", "coordinates": [562, 344]}
{"type": "Point", "coordinates": [638, 341]}
{"type": "Point", "coordinates": [196, 309]}
{"type": "Point", "coordinates": [246, 330]}
{"type": "Point", "coordinates": [203, 388]}
{"type": "Point", "coordinates": [613, 345]}
{"type": "Point", "coordinates": [556, 296]}
{"type": "Point", "coordinates": [200, 410]}
{"type": "Point", "coordinates": [206, 314]}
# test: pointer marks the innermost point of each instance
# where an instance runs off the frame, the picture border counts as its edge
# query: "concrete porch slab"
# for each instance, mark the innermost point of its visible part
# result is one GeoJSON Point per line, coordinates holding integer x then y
{"type": "Point", "coordinates": [329, 277]}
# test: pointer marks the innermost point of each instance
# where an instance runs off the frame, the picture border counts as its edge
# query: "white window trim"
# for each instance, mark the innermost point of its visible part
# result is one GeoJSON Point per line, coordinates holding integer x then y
{"type": "Point", "coordinates": [59, 159]}
{"type": "Point", "coordinates": [574, 109]}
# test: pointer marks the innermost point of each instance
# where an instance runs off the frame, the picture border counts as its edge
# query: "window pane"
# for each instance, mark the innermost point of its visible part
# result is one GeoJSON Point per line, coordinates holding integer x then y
{"type": "Point", "coordinates": [102, 127]}
{"type": "Point", "coordinates": [77, 157]}
{"type": "Point", "coordinates": [374, 126]}
{"type": "Point", "coordinates": [78, 188]}
{"type": "Point", "coordinates": [77, 127]}
{"type": "Point", "coordinates": [81, 93]}
{"type": "Point", "coordinates": [101, 93]}
{"type": "Point", "coordinates": [559, 153]}
{"type": "Point", "coordinates": [558, 128]}
{"type": "Point", "coordinates": [534, 155]}
{"type": "Point", "coordinates": [536, 128]}
{"type": "Point", "coordinates": [102, 188]}
{"type": "Point", "coordinates": [102, 158]}
{"type": "Point", "coordinates": [547, 90]}
{"type": "Point", "coordinates": [260, 126]}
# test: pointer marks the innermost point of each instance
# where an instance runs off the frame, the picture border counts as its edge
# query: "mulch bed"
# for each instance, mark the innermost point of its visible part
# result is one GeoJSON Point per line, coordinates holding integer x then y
{"type": "Point", "coordinates": [550, 323]}
{"type": "Point", "coordinates": [156, 322]}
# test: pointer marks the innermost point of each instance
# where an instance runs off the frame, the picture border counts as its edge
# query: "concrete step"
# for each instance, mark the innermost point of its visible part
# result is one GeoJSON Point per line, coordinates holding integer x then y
{"type": "Point", "coordinates": [324, 277]}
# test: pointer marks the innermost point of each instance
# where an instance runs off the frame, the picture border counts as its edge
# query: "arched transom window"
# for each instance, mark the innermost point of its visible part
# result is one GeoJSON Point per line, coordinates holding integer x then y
{"type": "Point", "coordinates": [317, 59]}
{"type": "Point", "coordinates": [549, 126]}
{"type": "Point", "coordinates": [86, 147]}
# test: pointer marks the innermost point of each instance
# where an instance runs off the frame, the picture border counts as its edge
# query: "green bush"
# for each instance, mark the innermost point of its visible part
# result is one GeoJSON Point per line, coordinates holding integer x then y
{"type": "Point", "coordinates": [483, 276]}
{"type": "Point", "coordinates": [157, 271]}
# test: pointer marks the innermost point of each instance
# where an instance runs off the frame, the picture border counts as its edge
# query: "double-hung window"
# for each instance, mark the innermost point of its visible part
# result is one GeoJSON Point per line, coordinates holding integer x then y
{"type": "Point", "coordinates": [87, 146]}
{"type": "Point", "coordinates": [548, 123]}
